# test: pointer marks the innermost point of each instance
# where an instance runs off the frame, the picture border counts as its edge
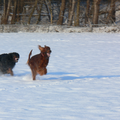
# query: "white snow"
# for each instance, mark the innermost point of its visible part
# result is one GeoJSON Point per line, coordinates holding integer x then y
{"type": "Point", "coordinates": [83, 80]}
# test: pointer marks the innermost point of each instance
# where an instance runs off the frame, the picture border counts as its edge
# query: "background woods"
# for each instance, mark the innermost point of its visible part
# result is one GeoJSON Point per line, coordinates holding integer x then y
{"type": "Point", "coordinates": [60, 12]}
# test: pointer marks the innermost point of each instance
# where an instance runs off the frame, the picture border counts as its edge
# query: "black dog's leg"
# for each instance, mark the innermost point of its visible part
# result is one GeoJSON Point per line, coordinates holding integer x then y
{"type": "Point", "coordinates": [10, 71]}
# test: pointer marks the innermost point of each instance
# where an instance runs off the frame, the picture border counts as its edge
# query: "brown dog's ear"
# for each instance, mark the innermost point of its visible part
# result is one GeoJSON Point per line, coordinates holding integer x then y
{"type": "Point", "coordinates": [40, 48]}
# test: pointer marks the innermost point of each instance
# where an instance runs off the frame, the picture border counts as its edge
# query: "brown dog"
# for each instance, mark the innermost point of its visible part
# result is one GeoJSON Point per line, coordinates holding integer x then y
{"type": "Point", "coordinates": [39, 62]}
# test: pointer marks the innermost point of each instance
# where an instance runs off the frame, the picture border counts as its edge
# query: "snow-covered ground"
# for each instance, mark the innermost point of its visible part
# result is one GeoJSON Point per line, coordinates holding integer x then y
{"type": "Point", "coordinates": [83, 80]}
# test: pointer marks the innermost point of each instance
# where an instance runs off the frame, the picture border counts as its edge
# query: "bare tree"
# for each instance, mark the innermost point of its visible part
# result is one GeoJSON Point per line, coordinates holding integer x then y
{"type": "Point", "coordinates": [32, 11]}
{"type": "Point", "coordinates": [71, 13]}
{"type": "Point", "coordinates": [14, 12]}
{"type": "Point", "coordinates": [111, 14]}
{"type": "Point", "coordinates": [96, 4]}
{"type": "Point", "coordinates": [69, 8]}
{"type": "Point", "coordinates": [61, 14]}
{"type": "Point", "coordinates": [39, 13]}
{"type": "Point", "coordinates": [5, 16]}
{"type": "Point", "coordinates": [51, 14]}
{"type": "Point", "coordinates": [87, 11]}
{"type": "Point", "coordinates": [49, 9]}
{"type": "Point", "coordinates": [78, 13]}
{"type": "Point", "coordinates": [18, 11]}
{"type": "Point", "coordinates": [4, 12]}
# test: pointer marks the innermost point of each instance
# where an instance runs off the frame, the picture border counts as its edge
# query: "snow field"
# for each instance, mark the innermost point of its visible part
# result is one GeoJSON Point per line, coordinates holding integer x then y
{"type": "Point", "coordinates": [83, 80]}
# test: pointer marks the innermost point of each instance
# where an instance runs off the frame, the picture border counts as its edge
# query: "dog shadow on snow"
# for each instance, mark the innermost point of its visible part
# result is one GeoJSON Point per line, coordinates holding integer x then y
{"type": "Point", "coordinates": [72, 76]}
{"type": "Point", "coordinates": [65, 76]}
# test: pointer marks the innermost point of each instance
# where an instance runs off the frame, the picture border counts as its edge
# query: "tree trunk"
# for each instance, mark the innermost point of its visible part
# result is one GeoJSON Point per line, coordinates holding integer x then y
{"type": "Point", "coordinates": [111, 14]}
{"type": "Point", "coordinates": [21, 5]}
{"type": "Point", "coordinates": [32, 11]}
{"type": "Point", "coordinates": [14, 12]}
{"type": "Point", "coordinates": [22, 10]}
{"type": "Point", "coordinates": [96, 11]}
{"type": "Point", "coordinates": [6, 11]}
{"type": "Point", "coordinates": [46, 5]}
{"type": "Point", "coordinates": [87, 11]}
{"type": "Point", "coordinates": [69, 9]}
{"type": "Point", "coordinates": [18, 10]}
{"type": "Point", "coordinates": [78, 13]}
{"type": "Point", "coordinates": [41, 4]}
{"type": "Point", "coordinates": [51, 13]}
{"type": "Point", "coordinates": [61, 14]}
{"type": "Point", "coordinates": [71, 13]}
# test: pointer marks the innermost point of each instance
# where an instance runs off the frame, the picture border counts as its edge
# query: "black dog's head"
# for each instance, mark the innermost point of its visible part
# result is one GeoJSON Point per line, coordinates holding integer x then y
{"type": "Point", "coordinates": [15, 56]}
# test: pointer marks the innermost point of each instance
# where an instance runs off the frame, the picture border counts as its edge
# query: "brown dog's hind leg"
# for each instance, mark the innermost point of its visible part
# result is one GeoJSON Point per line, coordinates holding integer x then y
{"type": "Point", "coordinates": [33, 74]}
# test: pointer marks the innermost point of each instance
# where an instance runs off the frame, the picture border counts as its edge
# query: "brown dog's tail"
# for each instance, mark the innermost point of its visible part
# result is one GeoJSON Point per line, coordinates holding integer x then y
{"type": "Point", "coordinates": [29, 57]}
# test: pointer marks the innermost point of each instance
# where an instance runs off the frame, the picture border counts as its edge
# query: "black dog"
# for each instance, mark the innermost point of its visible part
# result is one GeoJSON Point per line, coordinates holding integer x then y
{"type": "Point", "coordinates": [7, 62]}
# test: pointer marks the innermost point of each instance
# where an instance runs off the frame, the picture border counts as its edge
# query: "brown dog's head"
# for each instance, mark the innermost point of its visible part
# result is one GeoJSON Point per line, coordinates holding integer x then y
{"type": "Point", "coordinates": [45, 51]}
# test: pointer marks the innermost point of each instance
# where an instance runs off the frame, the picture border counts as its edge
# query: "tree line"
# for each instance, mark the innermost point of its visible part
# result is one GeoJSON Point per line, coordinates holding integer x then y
{"type": "Point", "coordinates": [60, 12]}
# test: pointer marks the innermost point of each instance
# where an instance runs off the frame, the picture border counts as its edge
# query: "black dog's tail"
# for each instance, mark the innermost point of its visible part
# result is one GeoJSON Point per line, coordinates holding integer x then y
{"type": "Point", "coordinates": [29, 57]}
